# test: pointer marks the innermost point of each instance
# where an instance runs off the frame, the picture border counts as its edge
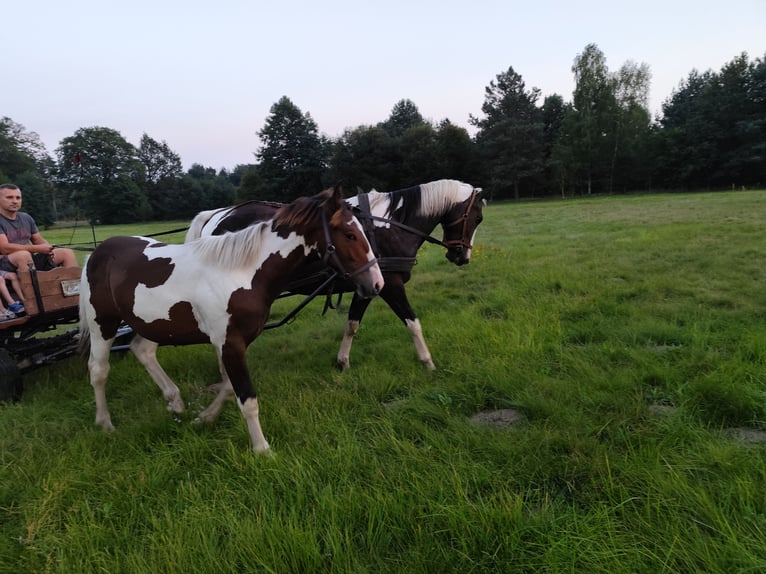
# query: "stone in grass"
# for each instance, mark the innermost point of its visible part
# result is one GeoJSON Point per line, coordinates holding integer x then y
{"type": "Point", "coordinates": [747, 435]}
{"type": "Point", "coordinates": [501, 418]}
{"type": "Point", "coordinates": [661, 410]}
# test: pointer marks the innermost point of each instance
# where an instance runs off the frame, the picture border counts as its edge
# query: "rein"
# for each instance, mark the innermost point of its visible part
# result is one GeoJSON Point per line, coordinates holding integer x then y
{"type": "Point", "coordinates": [74, 246]}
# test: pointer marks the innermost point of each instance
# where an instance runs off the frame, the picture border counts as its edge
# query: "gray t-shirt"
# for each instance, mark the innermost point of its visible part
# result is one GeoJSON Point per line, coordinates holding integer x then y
{"type": "Point", "coordinates": [19, 230]}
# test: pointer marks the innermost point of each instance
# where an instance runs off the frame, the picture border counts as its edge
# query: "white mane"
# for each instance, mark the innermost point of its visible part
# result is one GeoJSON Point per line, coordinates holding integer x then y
{"type": "Point", "coordinates": [437, 197]}
{"type": "Point", "coordinates": [234, 250]}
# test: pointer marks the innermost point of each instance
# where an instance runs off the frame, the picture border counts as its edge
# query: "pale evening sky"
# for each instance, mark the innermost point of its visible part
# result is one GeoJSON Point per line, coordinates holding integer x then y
{"type": "Point", "coordinates": [203, 75]}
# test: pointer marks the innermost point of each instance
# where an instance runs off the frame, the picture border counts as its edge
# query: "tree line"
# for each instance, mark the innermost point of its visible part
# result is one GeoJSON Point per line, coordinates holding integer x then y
{"type": "Point", "coordinates": [710, 135]}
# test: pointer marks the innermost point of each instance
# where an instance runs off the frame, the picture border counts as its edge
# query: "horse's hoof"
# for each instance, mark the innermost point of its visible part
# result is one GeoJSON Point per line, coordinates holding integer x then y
{"type": "Point", "coordinates": [342, 365]}
{"type": "Point", "coordinates": [203, 420]}
{"type": "Point", "coordinates": [176, 406]}
{"type": "Point", "coordinates": [105, 426]}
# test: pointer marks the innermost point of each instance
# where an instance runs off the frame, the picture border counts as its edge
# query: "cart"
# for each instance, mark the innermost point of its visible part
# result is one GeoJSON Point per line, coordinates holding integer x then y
{"type": "Point", "coordinates": [47, 332]}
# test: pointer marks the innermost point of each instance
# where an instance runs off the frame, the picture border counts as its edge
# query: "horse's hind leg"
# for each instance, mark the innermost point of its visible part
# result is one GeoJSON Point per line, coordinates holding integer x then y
{"type": "Point", "coordinates": [225, 392]}
{"type": "Point", "coordinates": [98, 369]}
{"type": "Point", "coordinates": [146, 352]}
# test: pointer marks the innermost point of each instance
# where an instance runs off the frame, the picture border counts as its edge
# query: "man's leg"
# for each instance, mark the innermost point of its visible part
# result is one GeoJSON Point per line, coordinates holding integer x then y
{"type": "Point", "coordinates": [64, 257]}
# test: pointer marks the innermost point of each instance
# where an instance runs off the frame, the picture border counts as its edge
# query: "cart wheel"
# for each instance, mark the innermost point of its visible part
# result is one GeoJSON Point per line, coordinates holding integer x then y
{"type": "Point", "coordinates": [10, 378]}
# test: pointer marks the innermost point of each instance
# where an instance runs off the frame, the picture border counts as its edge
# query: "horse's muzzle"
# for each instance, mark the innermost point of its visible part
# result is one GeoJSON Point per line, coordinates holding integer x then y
{"type": "Point", "coordinates": [458, 255]}
{"type": "Point", "coordinates": [369, 291]}
{"type": "Point", "coordinates": [370, 283]}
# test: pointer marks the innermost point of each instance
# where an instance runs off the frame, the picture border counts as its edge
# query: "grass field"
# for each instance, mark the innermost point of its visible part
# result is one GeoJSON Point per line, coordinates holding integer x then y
{"type": "Point", "coordinates": [630, 333]}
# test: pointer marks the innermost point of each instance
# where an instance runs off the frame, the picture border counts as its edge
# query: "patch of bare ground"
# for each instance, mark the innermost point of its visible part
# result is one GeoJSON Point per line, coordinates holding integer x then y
{"type": "Point", "coordinates": [747, 435]}
{"type": "Point", "coordinates": [501, 418]}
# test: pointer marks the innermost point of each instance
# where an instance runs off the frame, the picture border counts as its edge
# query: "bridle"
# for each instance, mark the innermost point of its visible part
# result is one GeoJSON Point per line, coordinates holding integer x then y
{"type": "Point", "coordinates": [331, 255]}
{"type": "Point", "coordinates": [464, 243]}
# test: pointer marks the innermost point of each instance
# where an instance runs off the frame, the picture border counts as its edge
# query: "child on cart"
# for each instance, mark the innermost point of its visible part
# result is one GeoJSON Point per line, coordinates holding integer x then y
{"type": "Point", "coordinates": [14, 307]}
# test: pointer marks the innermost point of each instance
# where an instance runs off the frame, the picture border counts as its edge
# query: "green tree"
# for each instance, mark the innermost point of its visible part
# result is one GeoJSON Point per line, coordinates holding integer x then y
{"type": "Point", "coordinates": [160, 162]}
{"type": "Point", "coordinates": [163, 169]}
{"type": "Point", "coordinates": [293, 156]}
{"type": "Point", "coordinates": [629, 166]}
{"type": "Point", "coordinates": [455, 154]}
{"type": "Point", "coordinates": [741, 121]}
{"type": "Point", "coordinates": [510, 135]}
{"type": "Point", "coordinates": [591, 123]}
{"type": "Point", "coordinates": [104, 175]}
{"type": "Point", "coordinates": [25, 162]}
{"type": "Point", "coordinates": [20, 150]}
{"type": "Point", "coordinates": [201, 188]}
{"type": "Point", "coordinates": [251, 184]}
{"type": "Point", "coordinates": [366, 157]}
{"type": "Point", "coordinates": [404, 116]}
{"type": "Point", "coordinates": [553, 111]}
{"type": "Point", "coordinates": [714, 128]}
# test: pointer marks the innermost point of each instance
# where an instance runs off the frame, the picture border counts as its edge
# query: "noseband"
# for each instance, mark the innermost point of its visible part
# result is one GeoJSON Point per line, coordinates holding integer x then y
{"type": "Point", "coordinates": [331, 255]}
{"type": "Point", "coordinates": [464, 241]}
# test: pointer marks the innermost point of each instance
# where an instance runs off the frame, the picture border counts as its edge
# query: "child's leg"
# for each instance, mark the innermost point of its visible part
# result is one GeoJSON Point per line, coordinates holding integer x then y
{"type": "Point", "coordinates": [4, 294]}
{"type": "Point", "coordinates": [16, 284]}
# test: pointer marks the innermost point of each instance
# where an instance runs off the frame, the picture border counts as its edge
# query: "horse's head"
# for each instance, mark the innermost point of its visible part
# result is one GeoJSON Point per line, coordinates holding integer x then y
{"type": "Point", "coordinates": [346, 248]}
{"type": "Point", "coordinates": [459, 225]}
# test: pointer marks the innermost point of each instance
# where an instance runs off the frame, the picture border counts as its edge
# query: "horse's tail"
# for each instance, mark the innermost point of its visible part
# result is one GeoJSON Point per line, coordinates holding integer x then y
{"type": "Point", "coordinates": [83, 346]}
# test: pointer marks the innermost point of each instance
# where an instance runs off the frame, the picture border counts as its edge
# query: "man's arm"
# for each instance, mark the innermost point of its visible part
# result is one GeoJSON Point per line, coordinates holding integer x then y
{"type": "Point", "coordinates": [38, 245]}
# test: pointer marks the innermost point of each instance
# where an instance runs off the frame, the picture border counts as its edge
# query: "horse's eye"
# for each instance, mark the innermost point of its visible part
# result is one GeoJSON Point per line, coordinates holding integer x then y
{"type": "Point", "coordinates": [350, 236]}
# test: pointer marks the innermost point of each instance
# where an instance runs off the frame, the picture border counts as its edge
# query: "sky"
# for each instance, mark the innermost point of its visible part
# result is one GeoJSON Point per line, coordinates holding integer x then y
{"type": "Point", "coordinates": [202, 76]}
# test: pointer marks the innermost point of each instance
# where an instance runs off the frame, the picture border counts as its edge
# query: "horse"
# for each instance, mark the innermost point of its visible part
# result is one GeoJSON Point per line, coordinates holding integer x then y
{"type": "Point", "coordinates": [217, 289]}
{"type": "Point", "coordinates": [397, 224]}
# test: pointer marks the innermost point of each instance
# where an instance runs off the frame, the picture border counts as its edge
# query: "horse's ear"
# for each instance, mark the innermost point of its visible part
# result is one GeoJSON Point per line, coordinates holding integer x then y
{"type": "Point", "coordinates": [337, 196]}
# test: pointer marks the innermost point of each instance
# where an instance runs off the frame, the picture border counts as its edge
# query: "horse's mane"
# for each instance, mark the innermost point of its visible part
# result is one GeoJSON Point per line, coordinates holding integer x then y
{"type": "Point", "coordinates": [199, 221]}
{"type": "Point", "coordinates": [238, 249]}
{"type": "Point", "coordinates": [233, 250]}
{"type": "Point", "coordinates": [301, 211]}
{"type": "Point", "coordinates": [427, 199]}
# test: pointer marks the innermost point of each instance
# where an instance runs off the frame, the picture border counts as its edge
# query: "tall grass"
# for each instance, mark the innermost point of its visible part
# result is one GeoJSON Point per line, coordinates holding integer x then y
{"type": "Point", "coordinates": [629, 331]}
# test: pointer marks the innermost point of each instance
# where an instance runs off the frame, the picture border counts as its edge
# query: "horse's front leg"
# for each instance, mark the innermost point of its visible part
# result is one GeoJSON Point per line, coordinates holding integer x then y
{"type": "Point", "coordinates": [235, 362]}
{"type": "Point", "coordinates": [355, 313]}
{"type": "Point", "coordinates": [146, 353]}
{"type": "Point", "coordinates": [394, 294]}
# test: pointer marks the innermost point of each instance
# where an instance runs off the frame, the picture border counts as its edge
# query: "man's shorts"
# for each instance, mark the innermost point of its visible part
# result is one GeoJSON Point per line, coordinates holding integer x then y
{"type": "Point", "coordinates": [42, 262]}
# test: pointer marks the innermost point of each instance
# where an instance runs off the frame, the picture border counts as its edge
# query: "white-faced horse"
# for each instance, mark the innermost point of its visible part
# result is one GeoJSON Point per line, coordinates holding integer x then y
{"type": "Point", "coordinates": [397, 224]}
{"type": "Point", "coordinates": [213, 290]}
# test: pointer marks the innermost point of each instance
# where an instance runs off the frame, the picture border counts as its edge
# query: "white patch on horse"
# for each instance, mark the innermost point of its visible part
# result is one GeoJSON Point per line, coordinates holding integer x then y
{"type": "Point", "coordinates": [378, 207]}
{"type": "Point", "coordinates": [370, 255]}
{"type": "Point", "coordinates": [234, 270]}
{"type": "Point", "coordinates": [420, 343]}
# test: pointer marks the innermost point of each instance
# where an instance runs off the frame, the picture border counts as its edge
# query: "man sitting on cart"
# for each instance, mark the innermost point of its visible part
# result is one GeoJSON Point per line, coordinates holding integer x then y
{"type": "Point", "coordinates": [20, 241]}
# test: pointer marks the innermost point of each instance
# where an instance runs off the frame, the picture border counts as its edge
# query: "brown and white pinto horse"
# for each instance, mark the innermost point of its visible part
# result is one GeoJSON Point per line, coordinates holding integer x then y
{"type": "Point", "coordinates": [214, 290]}
{"type": "Point", "coordinates": [397, 224]}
